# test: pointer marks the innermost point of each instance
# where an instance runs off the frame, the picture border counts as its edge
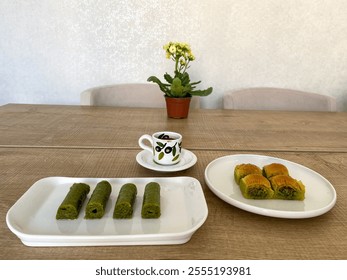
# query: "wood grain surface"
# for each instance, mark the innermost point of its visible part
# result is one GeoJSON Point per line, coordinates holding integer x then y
{"type": "Point", "coordinates": [228, 233]}
{"type": "Point", "coordinates": [205, 129]}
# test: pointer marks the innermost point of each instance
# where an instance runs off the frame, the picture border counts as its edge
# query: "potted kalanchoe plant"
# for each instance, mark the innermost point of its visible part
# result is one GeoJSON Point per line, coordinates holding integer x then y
{"type": "Point", "coordinates": [178, 89]}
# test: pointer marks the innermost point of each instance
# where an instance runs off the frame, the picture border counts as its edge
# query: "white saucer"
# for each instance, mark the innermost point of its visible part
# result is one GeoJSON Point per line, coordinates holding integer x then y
{"type": "Point", "coordinates": [188, 159]}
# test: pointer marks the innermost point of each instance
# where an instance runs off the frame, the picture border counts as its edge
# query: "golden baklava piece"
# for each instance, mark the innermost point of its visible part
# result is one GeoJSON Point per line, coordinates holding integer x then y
{"type": "Point", "coordinates": [286, 187]}
{"type": "Point", "coordinates": [245, 169]}
{"type": "Point", "coordinates": [274, 169]}
{"type": "Point", "coordinates": [256, 186]}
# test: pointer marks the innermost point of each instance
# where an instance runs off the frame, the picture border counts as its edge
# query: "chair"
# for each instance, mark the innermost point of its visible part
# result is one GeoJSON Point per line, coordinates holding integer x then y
{"type": "Point", "coordinates": [128, 95]}
{"type": "Point", "coordinates": [277, 99]}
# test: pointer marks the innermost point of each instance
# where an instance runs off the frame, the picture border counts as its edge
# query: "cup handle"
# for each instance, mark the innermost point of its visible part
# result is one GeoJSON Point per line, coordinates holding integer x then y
{"type": "Point", "coordinates": [143, 145]}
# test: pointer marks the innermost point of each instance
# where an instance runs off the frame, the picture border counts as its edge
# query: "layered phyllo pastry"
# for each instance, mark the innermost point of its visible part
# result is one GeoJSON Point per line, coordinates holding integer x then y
{"type": "Point", "coordinates": [256, 186]}
{"type": "Point", "coordinates": [274, 169]}
{"type": "Point", "coordinates": [245, 169]}
{"type": "Point", "coordinates": [286, 187]}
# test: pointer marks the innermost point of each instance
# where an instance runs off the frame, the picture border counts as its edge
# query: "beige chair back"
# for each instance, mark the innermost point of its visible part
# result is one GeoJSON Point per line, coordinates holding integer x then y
{"type": "Point", "coordinates": [277, 99]}
{"type": "Point", "coordinates": [128, 95]}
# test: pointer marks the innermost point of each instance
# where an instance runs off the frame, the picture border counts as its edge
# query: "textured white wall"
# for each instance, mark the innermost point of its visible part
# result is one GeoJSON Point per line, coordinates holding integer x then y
{"type": "Point", "coordinates": [52, 50]}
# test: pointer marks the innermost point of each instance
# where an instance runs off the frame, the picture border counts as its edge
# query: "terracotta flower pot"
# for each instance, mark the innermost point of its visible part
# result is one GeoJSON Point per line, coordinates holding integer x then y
{"type": "Point", "coordinates": [177, 108]}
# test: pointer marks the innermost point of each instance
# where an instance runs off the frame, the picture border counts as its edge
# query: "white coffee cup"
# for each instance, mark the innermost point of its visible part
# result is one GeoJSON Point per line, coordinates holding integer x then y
{"type": "Point", "coordinates": [165, 146]}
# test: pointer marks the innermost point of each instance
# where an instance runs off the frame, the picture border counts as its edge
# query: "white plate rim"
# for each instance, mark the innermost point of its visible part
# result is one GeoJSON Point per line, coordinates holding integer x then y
{"type": "Point", "coordinates": [167, 168]}
{"type": "Point", "coordinates": [110, 239]}
{"type": "Point", "coordinates": [264, 211]}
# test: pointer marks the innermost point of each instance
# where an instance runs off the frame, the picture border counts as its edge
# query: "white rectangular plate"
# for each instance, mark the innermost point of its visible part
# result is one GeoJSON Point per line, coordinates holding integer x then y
{"type": "Point", "coordinates": [183, 211]}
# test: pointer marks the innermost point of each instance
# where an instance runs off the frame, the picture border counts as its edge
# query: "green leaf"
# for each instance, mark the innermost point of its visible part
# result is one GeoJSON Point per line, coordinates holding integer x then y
{"type": "Point", "coordinates": [185, 79]}
{"type": "Point", "coordinates": [161, 145]}
{"type": "Point", "coordinates": [161, 155]}
{"type": "Point", "coordinates": [168, 78]}
{"type": "Point", "coordinates": [202, 92]}
{"type": "Point", "coordinates": [177, 88]}
{"type": "Point", "coordinates": [195, 83]}
{"type": "Point", "coordinates": [163, 87]}
{"type": "Point", "coordinates": [174, 151]}
{"type": "Point", "coordinates": [175, 158]}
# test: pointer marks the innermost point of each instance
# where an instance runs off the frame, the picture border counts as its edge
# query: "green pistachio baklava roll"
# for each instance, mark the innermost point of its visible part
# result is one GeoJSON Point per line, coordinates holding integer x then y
{"type": "Point", "coordinates": [97, 203]}
{"type": "Point", "coordinates": [125, 202]}
{"type": "Point", "coordinates": [256, 186]}
{"type": "Point", "coordinates": [73, 201]}
{"type": "Point", "coordinates": [286, 187]}
{"type": "Point", "coordinates": [244, 169]}
{"type": "Point", "coordinates": [151, 201]}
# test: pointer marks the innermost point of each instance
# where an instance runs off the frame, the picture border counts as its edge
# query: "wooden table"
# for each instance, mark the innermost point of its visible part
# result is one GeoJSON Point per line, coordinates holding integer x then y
{"type": "Point", "coordinates": [228, 233]}
{"type": "Point", "coordinates": [222, 130]}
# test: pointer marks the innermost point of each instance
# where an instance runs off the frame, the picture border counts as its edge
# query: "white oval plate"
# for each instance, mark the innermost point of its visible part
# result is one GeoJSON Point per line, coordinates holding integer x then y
{"type": "Point", "coordinates": [188, 159]}
{"type": "Point", "coordinates": [320, 195]}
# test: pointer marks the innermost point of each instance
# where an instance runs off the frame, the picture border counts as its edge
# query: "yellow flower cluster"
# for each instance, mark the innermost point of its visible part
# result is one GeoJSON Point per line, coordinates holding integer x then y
{"type": "Point", "coordinates": [180, 53]}
{"type": "Point", "coordinates": [179, 84]}
{"type": "Point", "coordinates": [178, 50]}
